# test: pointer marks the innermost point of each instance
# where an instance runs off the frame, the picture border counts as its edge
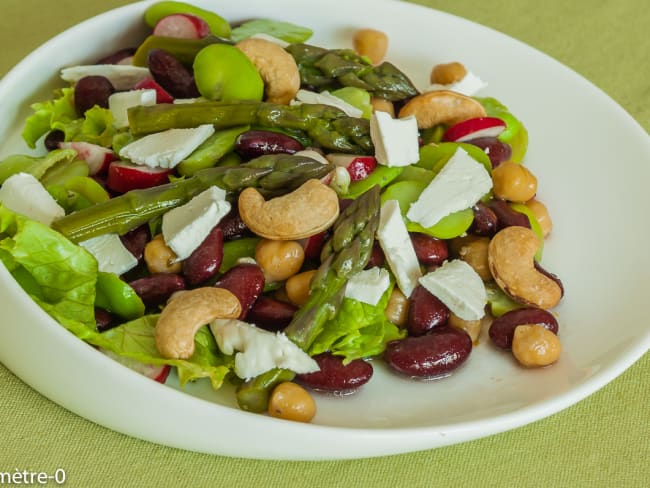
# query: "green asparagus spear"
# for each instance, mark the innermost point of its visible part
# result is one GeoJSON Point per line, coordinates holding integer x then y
{"type": "Point", "coordinates": [272, 174]}
{"type": "Point", "coordinates": [331, 69]}
{"type": "Point", "coordinates": [327, 126]}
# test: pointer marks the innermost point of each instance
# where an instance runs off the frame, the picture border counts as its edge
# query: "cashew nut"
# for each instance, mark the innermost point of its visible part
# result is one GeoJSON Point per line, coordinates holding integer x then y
{"type": "Point", "coordinates": [276, 66]}
{"type": "Point", "coordinates": [308, 210]}
{"type": "Point", "coordinates": [183, 317]}
{"type": "Point", "coordinates": [441, 107]}
{"type": "Point", "coordinates": [511, 259]}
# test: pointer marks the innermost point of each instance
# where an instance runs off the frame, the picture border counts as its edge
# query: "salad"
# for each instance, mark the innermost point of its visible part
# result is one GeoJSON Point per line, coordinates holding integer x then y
{"type": "Point", "coordinates": [243, 206]}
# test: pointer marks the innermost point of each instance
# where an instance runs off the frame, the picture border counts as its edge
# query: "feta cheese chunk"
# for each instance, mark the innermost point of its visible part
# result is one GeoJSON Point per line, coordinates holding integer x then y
{"type": "Point", "coordinates": [120, 102]}
{"type": "Point", "coordinates": [326, 98]}
{"type": "Point", "coordinates": [395, 140]}
{"type": "Point", "coordinates": [167, 148]}
{"type": "Point", "coordinates": [121, 76]}
{"type": "Point", "coordinates": [111, 255]}
{"type": "Point", "coordinates": [469, 85]}
{"type": "Point", "coordinates": [398, 248]}
{"type": "Point", "coordinates": [368, 285]}
{"type": "Point", "coordinates": [459, 287]}
{"type": "Point", "coordinates": [459, 185]}
{"type": "Point", "coordinates": [25, 195]}
{"type": "Point", "coordinates": [184, 228]}
{"type": "Point", "coordinates": [259, 349]}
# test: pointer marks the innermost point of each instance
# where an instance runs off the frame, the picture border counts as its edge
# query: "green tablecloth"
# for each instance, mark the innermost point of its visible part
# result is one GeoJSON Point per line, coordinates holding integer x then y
{"type": "Point", "coordinates": [602, 441]}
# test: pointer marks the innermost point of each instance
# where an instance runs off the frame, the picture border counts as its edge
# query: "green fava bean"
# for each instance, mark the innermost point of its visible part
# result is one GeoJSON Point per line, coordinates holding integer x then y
{"type": "Point", "coordinates": [236, 249]}
{"type": "Point", "coordinates": [116, 296]}
{"type": "Point", "coordinates": [498, 301]}
{"type": "Point", "coordinates": [88, 188]}
{"type": "Point", "coordinates": [184, 50]}
{"type": "Point", "coordinates": [211, 151]}
{"type": "Point", "coordinates": [223, 72]}
{"type": "Point", "coordinates": [515, 135]}
{"type": "Point", "coordinates": [218, 25]}
{"type": "Point", "coordinates": [434, 156]}
{"type": "Point", "coordinates": [382, 176]}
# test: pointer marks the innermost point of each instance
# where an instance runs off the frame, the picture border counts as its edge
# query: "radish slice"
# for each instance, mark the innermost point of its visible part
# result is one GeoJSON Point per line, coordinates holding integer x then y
{"type": "Point", "coordinates": [359, 167]}
{"type": "Point", "coordinates": [183, 26]}
{"type": "Point", "coordinates": [157, 373]}
{"type": "Point", "coordinates": [123, 176]}
{"type": "Point", "coordinates": [474, 128]}
{"type": "Point", "coordinates": [97, 157]}
{"type": "Point", "coordinates": [162, 96]}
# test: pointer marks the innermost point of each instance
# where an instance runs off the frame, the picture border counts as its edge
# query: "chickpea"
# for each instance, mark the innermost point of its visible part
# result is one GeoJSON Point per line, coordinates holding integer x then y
{"type": "Point", "coordinates": [290, 401]}
{"type": "Point", "coordinates": [371, 43]}
{"type": "Point", "coordinates": [160, 258]}
{"type": "Point", "coordinates": [541, 213]}
{"type": "Point", "coordinates": [279, 259]}
{"type": "Point", "coordinates": [382, 105]}
{"type": "Point", "coordinates": [474, 251]}
{"type": "Point", "coordinates": [534, 346]}
{"type": "Point", "coordinates": [445, 74]}
{"type": "Point", "coordinates": [397, 308]}
{"type": "Point", "coordinates": [472, 327]}
{"type": "Point", "coordinates": [297, 287]}
{"type": "Point", "coordinates": [514, 182]}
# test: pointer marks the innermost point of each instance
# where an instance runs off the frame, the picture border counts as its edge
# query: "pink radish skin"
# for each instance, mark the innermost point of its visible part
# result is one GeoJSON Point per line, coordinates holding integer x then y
{"type": "Point", "coordinates": [162, 96]}
{"type": "Point", "coordinates": [182, 26]}
{"type": "Point", "coordinates": [474, 128]}
{"type": "Point", "coordinates": [157, 373]}
{"type": "Point", "coordinates": [359, 167]}
{"type": "Point", "coordinates": [97, 157]}
{"type": "Point", "coordinates": [123, 176]}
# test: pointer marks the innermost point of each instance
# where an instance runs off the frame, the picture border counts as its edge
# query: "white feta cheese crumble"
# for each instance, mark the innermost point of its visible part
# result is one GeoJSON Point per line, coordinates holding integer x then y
{"type": "Point", "coordinates": [460, 184]}
{"type": "Point", "coordinates": [184, 228]}
{"type": "Point", "coordinates": [398, 248]}
{"type": "Point", "coordinates": [120, 102]}
{"type": "Point", "coordinates": [167, 148]}
{"type": "Point", "coordinates": [259, 349]}
{"type": "Point", "coordinates": [121, 76]}
{"type": "Point", "coordinates": [326, 98]}
{"type": "Point", "coordinates": [395, 140]}
{"type": "Point", "coordinates": [459, 287]}
{"type": "Point", "coordinates": [111, 255]}
{"type": "Point", "coordinates": [368, 285]}
{"type": "Point", "coordinates": [470, 85]}
{"type": "Point", "coordinates": [25, 195]}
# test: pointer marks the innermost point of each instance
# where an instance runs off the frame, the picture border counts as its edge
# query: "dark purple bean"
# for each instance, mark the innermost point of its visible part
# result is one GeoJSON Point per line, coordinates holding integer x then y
{"type": "Point", "coordinates": [104, 320]}
{"type": "Point", "coordinates": [254, 143]}
{"type": "Point", "coordinates": [429, 356]}
{"type": "Point", "coordinates": [117, 56]}
{"type": "Point", "coordinates": [136, 240]}
{"type": "Point", "coordinates": [53, 139]}
{"type": "Point", "coordinates": [233, 226]}
{"type": "Point", "coordinates": [485, 220]}
{"type": "Point", "coordinates": [506, 215]}
{"type": "Point", "coordinates": [425, 312]}
{"type": "Point", "coordinates": [503, 328]}
{"type": "Point", "coordinates": [336, 377]}
{"type": "Point", "coordinates": [551, 276]}
{"type": "Point", "coordinates": [497, 151]}
{"type": "Point", "coordinates": [90, 91]}
{"type": "Point", "coordinates": [429, 250]}
{"type": "Point", "coordinates": [205, 260]}
{"type": "Point", "coordinates": [270, 314]}
{"type": "Point", "coordinates": [171, 74]}
{"type": "Point", "coordinates": [377, 257]}
{"type": "Point", "coordinates": [157, 288]}
{"type": "Point", "coordinates": [246, 282]}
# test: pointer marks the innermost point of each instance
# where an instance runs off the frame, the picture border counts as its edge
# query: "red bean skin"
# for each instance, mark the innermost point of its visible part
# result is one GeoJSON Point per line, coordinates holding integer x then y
{"type": "Point", "coordinates": [254, 143]}
{"type": "Point", "coordinates": [90, 91]}
{"type": "Point", "coordinates": [502, 328]}
{"type": "Point", "coordinates": [136, 240]}
{"type": "Point", "coordinates": [429, 250]}
{"type": "Point", "coordinates": [270, 314]}
{"type": "Point", "coordinates": [170, 73]}
{"type": "Point", "coordinates": [506, 215]}
{"type": "Point", "coordinates": [205, 260]}
{"type": "Point", "coordinates": [485, 220]}
{"type": "Point", "coordinates": [425, 312]}
{"type": "Point", "coordinates": [246, 282]}
{"type": "Point", "coordinates": [157, 288]}
{"type": "Point", "coordinates": [430, 356]}
{"type": "Point", "coordinates": [335, 377]}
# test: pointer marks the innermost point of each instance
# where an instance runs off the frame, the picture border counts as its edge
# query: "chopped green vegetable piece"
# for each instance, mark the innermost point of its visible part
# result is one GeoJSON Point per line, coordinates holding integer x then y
{"type": "Point", "coordinates": [116, 296]}
{"type": "Point", "coordinates": [357, 97]}
{"type": "Point", "coordinates": [237, 249]}
{"type": "Point", "coordinates": [211, 151]}
{"type": "Point", "coordinates": [515, 134]}
{"type": "Point", "coordinates": [184, 50]}
{"type": "Point", "coordinates": [37, 166]}
{"type": "Point", "coordinates": [285, 31]}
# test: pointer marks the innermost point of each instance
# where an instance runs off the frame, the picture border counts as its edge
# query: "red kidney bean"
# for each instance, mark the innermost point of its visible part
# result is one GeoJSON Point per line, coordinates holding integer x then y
{"type": "Point", "coordinates": [170, 73]}
{"type": "Point", "coordinates": [246, 282]}
{"type": "Point", "coordinates": [104, 320]}
{"type": "Point", "coordinates": [336, 377]}
{"type": "Point", "coordinates": [117, 56]}
{"type": "Point", "coordinates": [430, 356]}
{"type": "Point", "coordinates": [502, 328]}
{"type": "Point", "coordinates": [90, 91]}
{"type": "Point", "coordinates": [429, 250]}
{"type": "Point", "coordinates": [205, 260]}
{"type": "Point", "coordinates": [157, 288]}
{"type": "Point", "coordinates": [550, 275]}
{"type": "Point", "coordinates": [497, 151]}
{"type": "Point", "coordinates": [377, 257]}
{"type": "Point", "coordinates": [136, 240]}
{"type": "Point", "coordinates": [254, 143]}
{"type": "Point", "coordinates": [233, 226]}
{"type": "Point", "coordinates": [485, 220]}
{"type": "Point", "coordinates": [270, 314]}
{"type": "Point", "coordinates": [313, 245]}
{"type": "Point", "coordinates": [506, 215]}
{"type": "Point", "coordinates": [425, 312]}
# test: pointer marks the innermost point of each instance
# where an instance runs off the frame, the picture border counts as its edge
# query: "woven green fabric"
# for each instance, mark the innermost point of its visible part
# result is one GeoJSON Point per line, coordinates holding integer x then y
{"type": "Point", "coordinates": [601, 441]}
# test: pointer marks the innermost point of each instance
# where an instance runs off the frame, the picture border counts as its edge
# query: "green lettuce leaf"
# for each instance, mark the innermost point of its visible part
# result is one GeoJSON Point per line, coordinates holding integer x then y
{"type": "Point", "coordinates": [37, 166]}
{"type": "Point", "coordinates": [60, 109]}
{"type": "Point", "coordinates": [286, 31]}
{"type": "Point", "coordinates": [359, 330]}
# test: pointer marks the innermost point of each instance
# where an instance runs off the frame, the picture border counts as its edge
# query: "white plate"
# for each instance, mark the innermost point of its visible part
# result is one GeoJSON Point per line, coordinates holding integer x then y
{"type": "Point", "coordinates": [591, 159]}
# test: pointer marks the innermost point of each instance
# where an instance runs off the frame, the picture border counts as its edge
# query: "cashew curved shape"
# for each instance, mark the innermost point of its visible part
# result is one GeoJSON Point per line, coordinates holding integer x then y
{"type": "Point", "coordinates": [441, 107]}
{"type": "Point", "coordinates": [276, 66]}
{"type": "Point", "coordinates": [308, 210]}
{"type": "Point", "coordinates": [511, 259]}
{"type": "Point", "coordinates": [184, 316]}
